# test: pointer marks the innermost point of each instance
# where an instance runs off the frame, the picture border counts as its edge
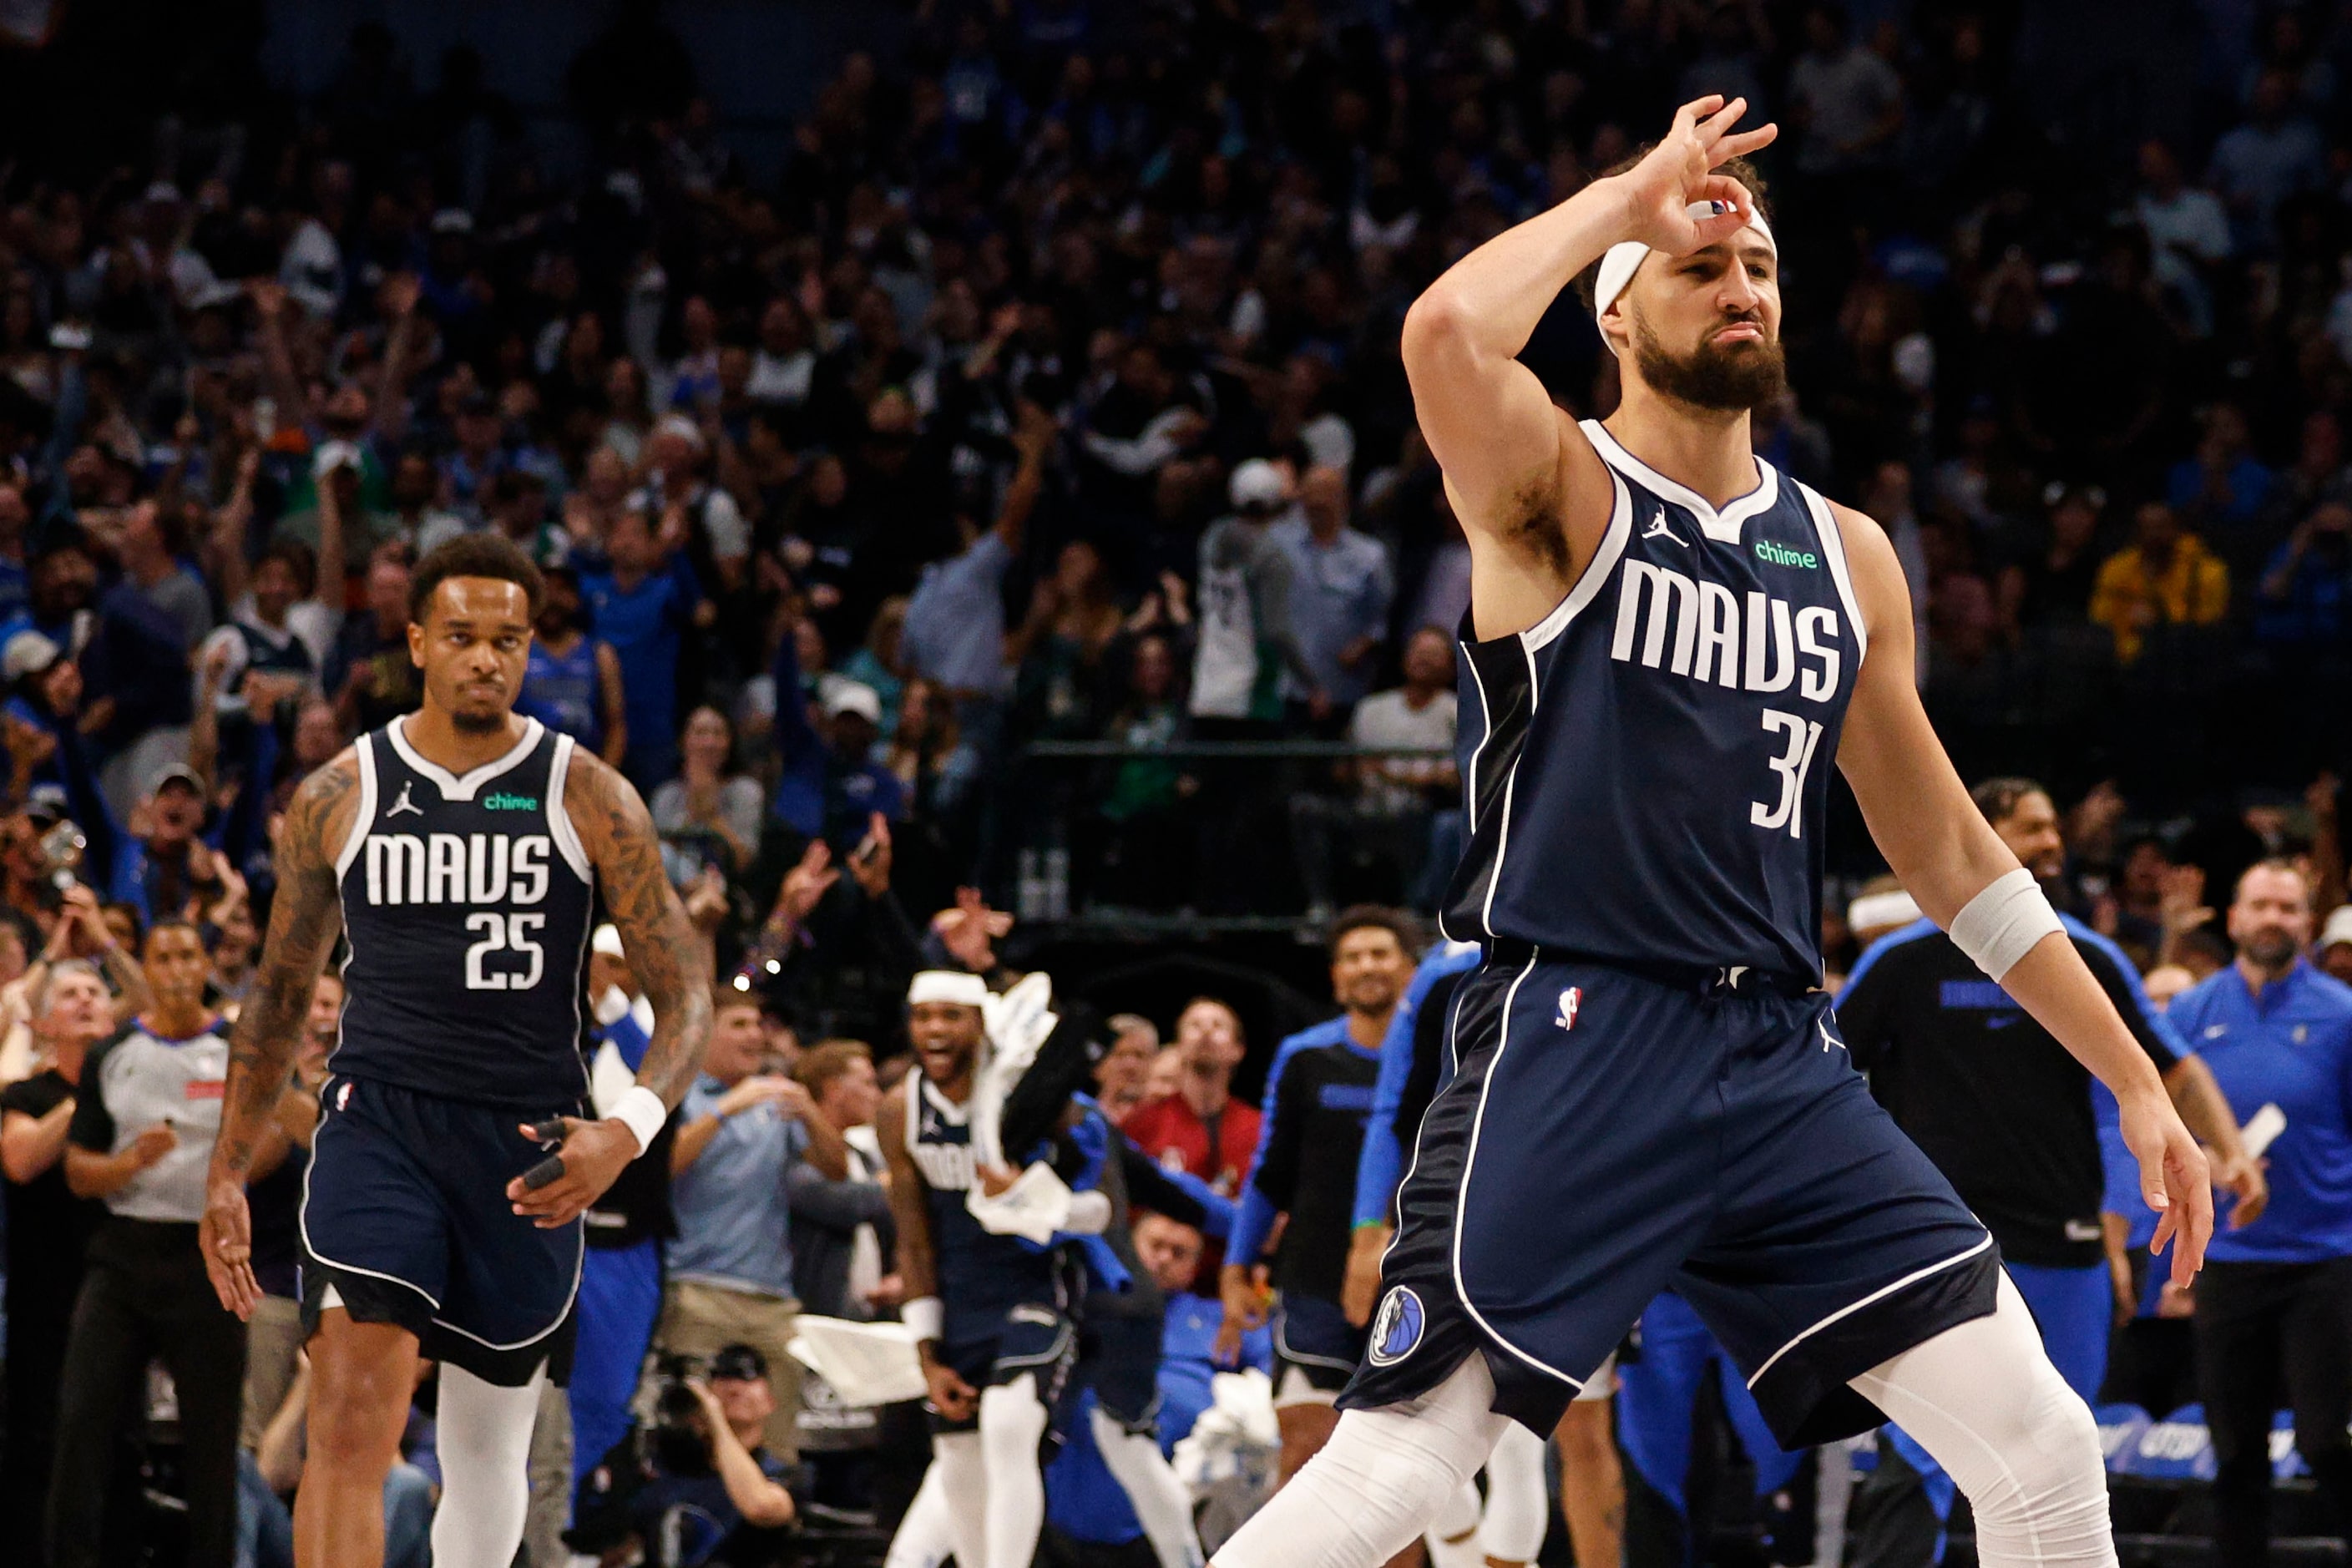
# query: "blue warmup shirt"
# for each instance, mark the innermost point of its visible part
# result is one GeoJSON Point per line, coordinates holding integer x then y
{"type": "Point", "coordinates": [1083, 1499]}
{"type": "Point", "coordinates": [2292, 1048]}
{"type": "Point", "coordinates": [1381, 1164]}
{"type": "Point", "coordinates": [562, 691]}
{"type": "Point", "coordinates": [646, 626]}
{"type": "Point", "coordinates": [1308, 1147]}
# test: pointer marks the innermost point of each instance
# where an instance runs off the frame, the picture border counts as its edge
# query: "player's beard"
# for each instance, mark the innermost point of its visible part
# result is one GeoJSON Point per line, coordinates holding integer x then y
{"type": "Point", "coordinates": [472, 722]}
{"type": "Point", "coordinates": [1727, 380]}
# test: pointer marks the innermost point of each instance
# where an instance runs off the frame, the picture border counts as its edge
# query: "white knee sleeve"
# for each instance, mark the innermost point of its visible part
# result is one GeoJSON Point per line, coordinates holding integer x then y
{"type": "Point", "coordinates": [1518, 1509]}
{"type": "Point", "coordinates": [927, 1536]}
{"type": "Point", "coordinates": [1985, 1401]}
{"type": "Point", "coordinates": [1011, 1424]}
{"type": "Point", "coordinates": [1377, 1484]}
{"type": "Point", "coordinates": [483, 1432]}
{"type": "Point", "coordinates": [1452, 1535]}
{"type": "Point", "coordinates": [1162, 1505]}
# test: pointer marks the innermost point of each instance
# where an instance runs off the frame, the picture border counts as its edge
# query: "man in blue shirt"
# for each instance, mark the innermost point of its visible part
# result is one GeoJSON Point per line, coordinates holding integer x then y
{"type": "Point", "coordinates": [730, 1270]}
{"type": "Point", "coordinates": [1341, 589]}
{"type": "Point", "coordinates": [642, 606]}
{"type": "Point", "coordinates": [2275, 1303]}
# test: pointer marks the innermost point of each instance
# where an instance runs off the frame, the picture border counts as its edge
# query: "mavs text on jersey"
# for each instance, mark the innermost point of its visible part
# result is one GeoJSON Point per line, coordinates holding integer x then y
{"type": "Point", "coordinates": [1649, 1091]}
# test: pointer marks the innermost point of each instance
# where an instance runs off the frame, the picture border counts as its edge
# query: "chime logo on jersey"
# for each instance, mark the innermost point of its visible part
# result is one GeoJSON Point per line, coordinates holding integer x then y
{"type": "Point", "coordinates": [1702, 621]}
{"type": "Point", "coordinates": [1569, 1001]}
{"type": "Point", "coordinates": [477, 869]}
{"type": "Point", "coordinates": [1397, 1326]}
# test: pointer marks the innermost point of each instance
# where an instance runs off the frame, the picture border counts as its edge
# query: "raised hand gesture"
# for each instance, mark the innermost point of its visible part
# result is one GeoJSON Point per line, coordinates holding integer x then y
{"type": "Point", "coordinates": [1680, 170]}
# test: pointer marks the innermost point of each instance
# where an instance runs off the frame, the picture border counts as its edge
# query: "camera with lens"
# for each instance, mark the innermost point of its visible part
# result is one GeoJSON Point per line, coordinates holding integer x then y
{"type": "Point", "coordinates": [62, 847]}
{"type": "Point", "coordinates": [681, 1442]}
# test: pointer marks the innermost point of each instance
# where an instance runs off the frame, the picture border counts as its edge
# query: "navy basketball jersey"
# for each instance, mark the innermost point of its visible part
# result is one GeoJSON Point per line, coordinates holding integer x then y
{"type": "Point", "coordinates": [1646, 768]}
{"type": "Point", "coordinates": [467, 902]}
{"type": "Point", "coordinates": [978, 1270]}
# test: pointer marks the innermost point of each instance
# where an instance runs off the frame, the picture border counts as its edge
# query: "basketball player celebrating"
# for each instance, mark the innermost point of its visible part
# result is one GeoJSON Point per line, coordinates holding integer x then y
{"type": "Point", "coordinates": [1667, 642]}
{"type": "Point", "coordinates": [459, 849]}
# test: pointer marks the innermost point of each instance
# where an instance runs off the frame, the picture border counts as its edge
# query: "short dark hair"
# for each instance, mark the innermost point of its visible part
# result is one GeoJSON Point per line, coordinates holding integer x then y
{"type": "Point", "coordinates": [1370, 917]}
{"type": "Point", "coordinates": [1588, 282]}
{"type": "Point", "coordinates": [298, 558]}
{"type": "Point", "coordinates": [487, 554]}
{"type": "Point", "coordinates": [169, 923]}
{"type": "Point", "coordinates": [1998, 797]}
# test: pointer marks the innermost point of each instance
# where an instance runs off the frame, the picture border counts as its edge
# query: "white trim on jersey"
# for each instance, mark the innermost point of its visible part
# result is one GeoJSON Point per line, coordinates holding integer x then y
{"type": "Point", "coordinates": [1453, 1052]}
{"type": "Point", "coordinates": [1470, 774]}
{"type": "Point", "coordinates": [1884, 1290]}
{"type": "Point", "coordinates": [350, 852]}
{"type": "Point", "coordinates": [559, 820]}
{"type": "Point", "coordinates": [1596, 573]}
{"type": "Point", "coordinates": [1724, 526]}
{"type": "Point", "coordinates": [1503, 834]}
{"type": "Point", "coordinates": [1462, 1194]}
{"type": "Point", "coordinates": [1825, 523]}
{"type": "Point", "coordinates": [452, 787]}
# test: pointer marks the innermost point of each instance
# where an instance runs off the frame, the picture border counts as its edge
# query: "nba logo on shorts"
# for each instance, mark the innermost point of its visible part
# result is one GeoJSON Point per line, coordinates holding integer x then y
{"type": "Point", "coordinates": [1569, 1000]}
{"type": "Point", "coordinates": [1396, 1327]}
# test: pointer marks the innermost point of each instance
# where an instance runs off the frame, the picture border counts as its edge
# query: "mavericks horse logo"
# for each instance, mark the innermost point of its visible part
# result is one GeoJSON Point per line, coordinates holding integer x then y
{"type": "Point", "coordinates": [1397, 1326]}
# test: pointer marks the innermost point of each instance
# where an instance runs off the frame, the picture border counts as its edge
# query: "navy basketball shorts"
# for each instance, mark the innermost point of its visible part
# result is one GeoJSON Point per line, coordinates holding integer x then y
{"type": "Point", "coordinates": [1608, 1135]}
{"type": "Point", "coordinates": [405, 1214]}
{"type": "Point", "coordinates": [1119, 1359]}
{"type": "Point", "coordinates": [991, 1347]}
{"type": "Point", "coordinates": [1316, 1349]}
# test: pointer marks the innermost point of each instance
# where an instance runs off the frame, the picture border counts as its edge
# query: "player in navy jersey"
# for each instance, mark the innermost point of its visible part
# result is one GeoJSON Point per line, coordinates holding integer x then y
{"type": "Point", "coordinates": [460, 850]}
{"type": "Point", "coordinates": [1667, 645]}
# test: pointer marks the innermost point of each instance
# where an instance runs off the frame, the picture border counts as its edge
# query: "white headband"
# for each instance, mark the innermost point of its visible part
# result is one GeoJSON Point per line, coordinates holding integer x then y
{"type": "Point", "coordinates": [1879, 912]}
{"type": "Point", "coordinates": [1619, 262]}
{"type": "Point", "coordinates": [952, 986]}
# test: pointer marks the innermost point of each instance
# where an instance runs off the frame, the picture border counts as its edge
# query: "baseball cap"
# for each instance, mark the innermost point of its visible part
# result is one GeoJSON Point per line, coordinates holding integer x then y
{"type": "Point", "coordinates": [1256, 484]}
{"type": "Point", "coordinates": [2337, 928]}
{"type": "Point", "coordinates": [175, 773]}
{"type": "Point", "coordinates": [854, 696]}
{"type": "Point", "coordinates": [739, 1364]}
{"type": "Point", "coordinates": [453, 220]}
{"type": "Point", "coordinates": [333, 454]}
{"type": "Point", "coordinates": [28, 653]}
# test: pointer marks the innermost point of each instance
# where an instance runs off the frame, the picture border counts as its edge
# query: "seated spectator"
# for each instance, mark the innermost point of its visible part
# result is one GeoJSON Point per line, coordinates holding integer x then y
{"type": "Point", "coordinates": [1341, 586]}
{"type": "Point", "coordinates": [879, 660]}
{"type": "Point", "coordinates": [2166, 577]}
{"type": "Point", "coordinates": [1144, 853]}
{"type": "Point", "coordinates": [271, 1470]}
{"type": "Point", "coordinates": [831, 785]}
{"type": "Point", "coordinates": [2187, 233]}
{"type": "Point", "coordinates": [2050, 577]}
{"type": "Point", "coordinates": [936, 767]}
{"type": "Point", "coordinates": [709, 814]}
{"type": "Point", "coordinates": [697, 1488]}
{"type": "Point", "coordinates": [2302, 603]}
{"type": "Point", "coordinates": [2221, 488]}
{"type": "Point", "coordinates": [2273, 154]}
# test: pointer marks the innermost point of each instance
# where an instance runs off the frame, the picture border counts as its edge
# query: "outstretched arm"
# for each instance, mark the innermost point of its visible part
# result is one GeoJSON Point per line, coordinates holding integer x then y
{"type": "Point", "coordinates": [618, 836]}
{"type": "Point", "coordinates": [304, 921]}
{"type": "Point", "coordinates": [1946, 853]}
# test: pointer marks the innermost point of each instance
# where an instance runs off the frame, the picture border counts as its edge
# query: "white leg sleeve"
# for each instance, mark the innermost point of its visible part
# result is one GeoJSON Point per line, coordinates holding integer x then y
{"type": "Point", "coordinates": [1162, 1505]}
{"type": "Point", "coordinates": [1985, 1401]}
{"type": "Point", "coordinates": [1011, 1424]}
{"type": "Point", "coordinates": [1380, 1480]}
{"type": "Point", "coordinates": [1452, 1535]}
{"type": "Point", "coordinates": [483, 1432]}
{"type": "Point", "coordinates": [927, 1536]}
{"type": "Point", "coordinates": [1518, 1509]}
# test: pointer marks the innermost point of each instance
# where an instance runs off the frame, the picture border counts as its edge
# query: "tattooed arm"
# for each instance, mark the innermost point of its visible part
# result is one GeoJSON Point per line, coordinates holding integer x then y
{"type": "Point", "coordinates": [659, 942]}
{"type": "Point", "coordinates": [304, 921]}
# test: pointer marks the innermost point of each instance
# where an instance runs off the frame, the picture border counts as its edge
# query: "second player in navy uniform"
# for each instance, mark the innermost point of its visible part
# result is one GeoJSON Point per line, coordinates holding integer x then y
{"type": "Point", "coordinates": [1667, 645]}
{"type": "Point", "coordinates": [459, 849]}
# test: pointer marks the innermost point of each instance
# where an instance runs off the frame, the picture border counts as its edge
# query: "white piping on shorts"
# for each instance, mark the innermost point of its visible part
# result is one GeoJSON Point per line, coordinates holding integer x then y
{"type": "Point", "coordinates": [1461, 1197]}
{"type": "Point", "coordinates": [1884, 1290]}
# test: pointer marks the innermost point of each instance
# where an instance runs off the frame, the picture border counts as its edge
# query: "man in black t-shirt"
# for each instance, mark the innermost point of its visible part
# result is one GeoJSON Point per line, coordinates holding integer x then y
{"type": "Point", "coordinates": [2007, 1113]}
{"type": "Point", "coordinates": [47, 1228]}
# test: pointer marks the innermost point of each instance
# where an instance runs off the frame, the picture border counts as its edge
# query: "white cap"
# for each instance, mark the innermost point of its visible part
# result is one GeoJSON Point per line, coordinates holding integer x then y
{"type": "Point", "coordinates": [854, 696]}
{"type": "Point", "coordinates": [608, 940]}
{"type": "Point", "coordinates": [1257, 483]}
{"type": "Point", "coordinates": [2337, 928]}
{"type": "Point", "coordinates": [453, 220]}
{"type": "Point", "coordinates": [28, 653]}
{"type": "Point", "coordinates": [680, 426]}
{"type": "Point", "coordinates": [952, 986]}
{"type": "Point", "coordinates": [333, 454]}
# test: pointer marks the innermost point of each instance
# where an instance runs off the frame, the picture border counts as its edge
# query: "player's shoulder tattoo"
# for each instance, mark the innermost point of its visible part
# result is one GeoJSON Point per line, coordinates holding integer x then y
{"type": "Point", "coordinates": [319, 817]}
{"type": "Point", "coordinates": [606, 808]}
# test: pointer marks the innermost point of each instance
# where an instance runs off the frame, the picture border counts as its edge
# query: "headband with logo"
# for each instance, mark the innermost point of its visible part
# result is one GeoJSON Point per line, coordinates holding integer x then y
{"type": "Point", "coordinates": [1619, 262]}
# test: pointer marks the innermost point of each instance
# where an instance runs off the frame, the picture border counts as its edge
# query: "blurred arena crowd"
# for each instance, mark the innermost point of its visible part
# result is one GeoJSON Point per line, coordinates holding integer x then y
{"type": "Point", "coordinates": [1008, 513]}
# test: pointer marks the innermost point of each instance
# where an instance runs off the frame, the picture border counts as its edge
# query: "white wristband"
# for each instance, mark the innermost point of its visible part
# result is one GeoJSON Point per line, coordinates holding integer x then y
{"type": "Point", "coordinates": [641, 1110]}
{"type": "Point", "coordinates": [925, 1318]}
{"type": "Point", "coordinates": [2004, 923]}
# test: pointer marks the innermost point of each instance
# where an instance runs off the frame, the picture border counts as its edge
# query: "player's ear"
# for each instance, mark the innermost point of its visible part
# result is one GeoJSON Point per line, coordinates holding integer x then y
{"type": "Point", "coordinates": [416, 645]}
